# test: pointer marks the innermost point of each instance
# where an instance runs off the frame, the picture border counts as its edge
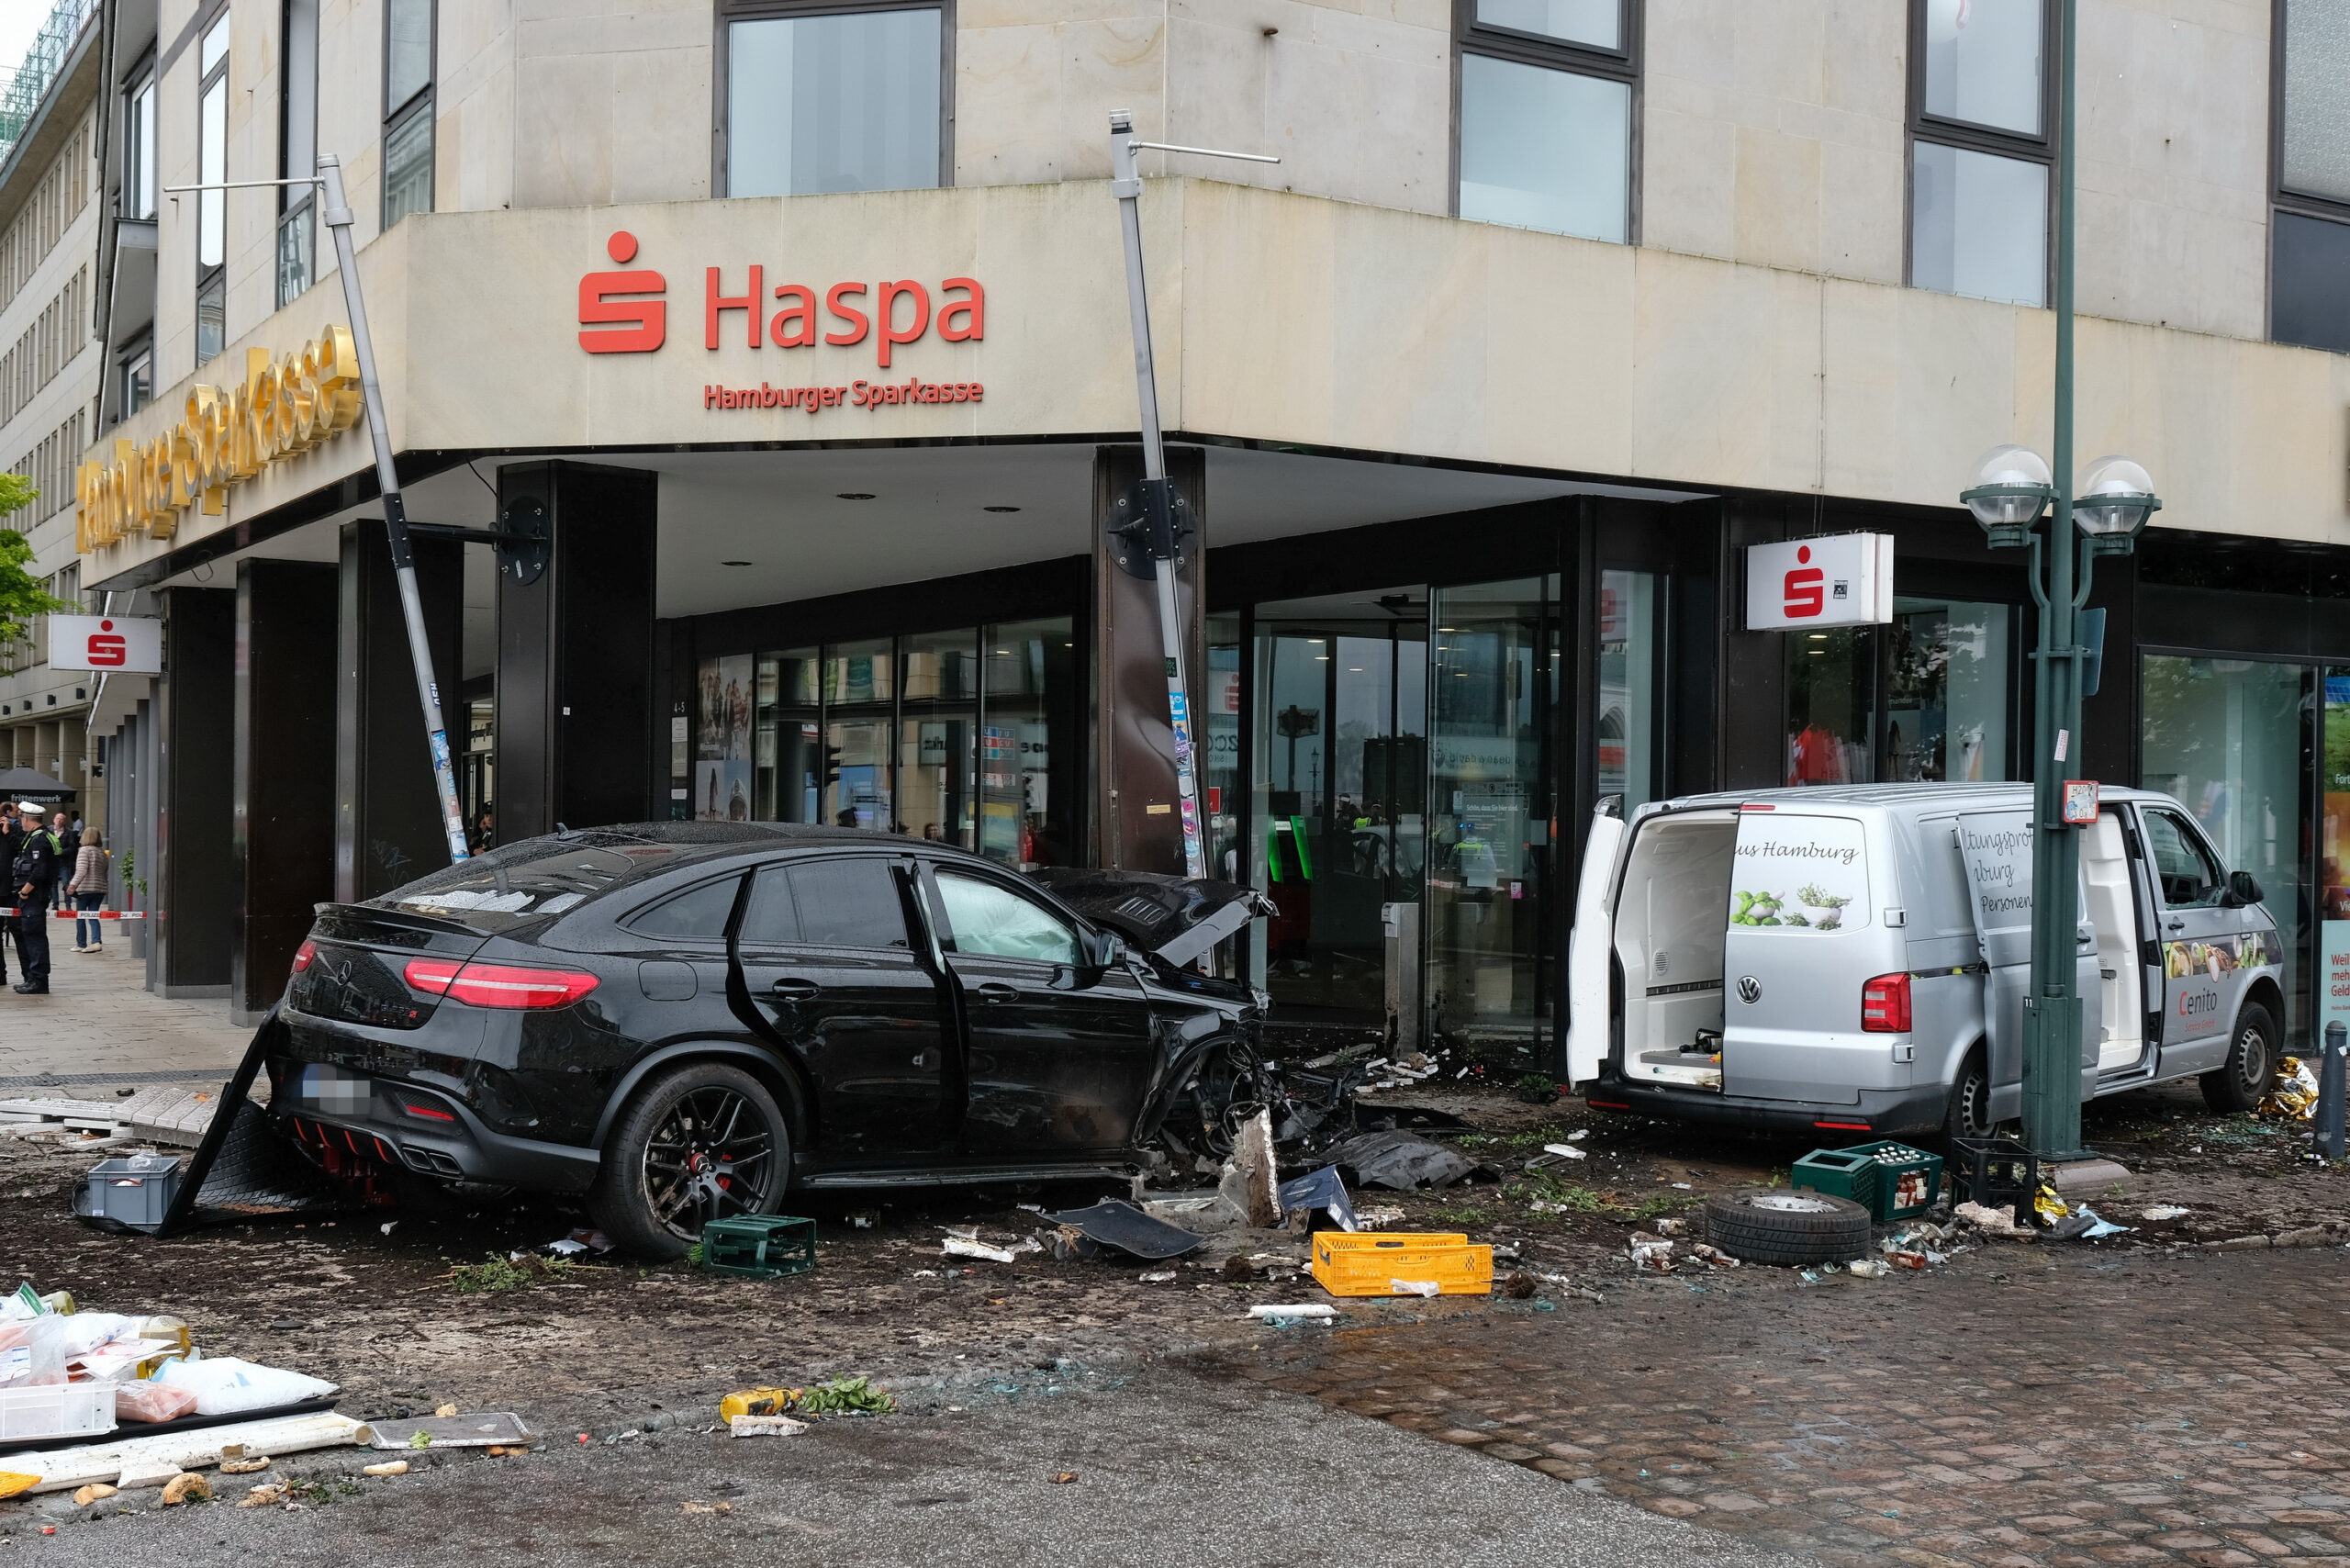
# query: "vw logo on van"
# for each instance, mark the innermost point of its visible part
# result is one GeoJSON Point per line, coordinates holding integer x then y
{"type": "Point", "coordinates": [1749, 990]}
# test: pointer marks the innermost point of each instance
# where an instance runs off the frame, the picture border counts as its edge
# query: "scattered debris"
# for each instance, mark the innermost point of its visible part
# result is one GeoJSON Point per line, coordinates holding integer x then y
{"type": "Point", "coordinates": [708, 1507]}
{"type": "Point", "coordinates": [1869, 1267]}
{"type": "Point", "coordinates": [1519, 1286]}
{"type": "Point", "coordinates": [1406, 1161]}
{"type": "Point", "coordinates": [1116, 1223]}
{"type": "Point", "coordinates": [1994, 1222]}
{"type": "Point", "coordinates": [481, 1430]}
{"type": "Point", "coordinates": [245, 1466]}
{"type": "Point", "coordinates": [1320, 1190]}
{"type": "Point", "coordinates": [2164, 1211]}
{"type": "Point", "coordinates": [85, 1496]}
{"type": "Point", "coordinates": [1650, 1253]}
{"type": "Point", "coordinates": [2295, 1096]}
{"type": "Point", "coordinates": [188, 1487]}
{"type": "Point", "coordinates": [1063, 1477]}
{"type": "Point", "coordinates": [764, 1427]}
{"type": "Point", "coordinates": [268, 1495]}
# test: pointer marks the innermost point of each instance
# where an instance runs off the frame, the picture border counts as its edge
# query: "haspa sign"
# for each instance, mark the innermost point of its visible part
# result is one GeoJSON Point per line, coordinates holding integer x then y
{"type": "Point", "coordinates": [1844, 580]}
{"type": "Point", "coordinates": [627, 311]}
{"type": "Point", "coordinates": [132, 644]}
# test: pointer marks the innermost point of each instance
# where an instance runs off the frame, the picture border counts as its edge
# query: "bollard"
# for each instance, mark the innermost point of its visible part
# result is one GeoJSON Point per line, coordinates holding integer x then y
{"type": "Point", "coordinates": [2332, 1073]}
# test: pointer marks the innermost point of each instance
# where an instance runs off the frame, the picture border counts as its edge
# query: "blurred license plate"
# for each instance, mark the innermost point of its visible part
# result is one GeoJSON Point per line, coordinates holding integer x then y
{"type": "Point", "coordinates": [331, 1090]}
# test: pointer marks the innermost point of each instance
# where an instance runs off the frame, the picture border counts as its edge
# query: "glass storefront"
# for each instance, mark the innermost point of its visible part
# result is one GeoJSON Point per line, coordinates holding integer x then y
{"type": "Point", "coordinates": [2231, 739]}
{"type": "Point", "coordinates": [1631, 669]}
{"type": "Point", "coordinates": [949, 736]}
{"type": "Point", "coordinates": [1491, 699]}
{"type": "Point", "coordinates": [1925, 698]}
{"type": "Point", "coordinates": [1339, 742]}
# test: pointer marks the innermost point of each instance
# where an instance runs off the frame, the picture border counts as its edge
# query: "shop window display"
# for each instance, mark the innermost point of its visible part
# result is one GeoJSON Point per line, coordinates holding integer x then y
{"type": "Point", "coordinates": [2231, 739]}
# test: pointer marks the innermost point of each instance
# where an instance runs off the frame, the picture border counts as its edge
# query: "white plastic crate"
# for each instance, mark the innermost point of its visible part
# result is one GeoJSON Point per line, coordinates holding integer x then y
{"type": "Point", "coordinates": [56, 1410]}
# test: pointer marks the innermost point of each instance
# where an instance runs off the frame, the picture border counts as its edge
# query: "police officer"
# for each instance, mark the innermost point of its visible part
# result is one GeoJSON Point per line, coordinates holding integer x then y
{"type": "Point", "coordinates": [33, 875]}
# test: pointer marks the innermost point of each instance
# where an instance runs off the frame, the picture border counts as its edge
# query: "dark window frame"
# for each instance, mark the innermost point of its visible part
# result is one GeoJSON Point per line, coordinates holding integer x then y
{"type": "Point", "coordinates": [2282, 198]}
{"type": "Point", "coordinates": [1625, 64]}
{"type": "Point", "coordinates": [725, 13]}
{"type": "Point", "coordinates": [214, 278]}
{"type": "Point", "coordinates": [1943, 130]}
{"type": "Point", "coordinates": [296, 204]}
{"type": "Point", "coordinates": [396, 117]}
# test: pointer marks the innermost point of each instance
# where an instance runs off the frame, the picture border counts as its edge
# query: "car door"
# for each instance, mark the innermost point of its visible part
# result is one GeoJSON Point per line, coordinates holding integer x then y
{"type": "Point", "coordinates": [681, 960]}
{"type": "Point", "coordinates": [1054, 1066]}
{"type": "Point", "coordinates": [827, 953]}
{"type": "Point", "coordinates": [2198, 937]}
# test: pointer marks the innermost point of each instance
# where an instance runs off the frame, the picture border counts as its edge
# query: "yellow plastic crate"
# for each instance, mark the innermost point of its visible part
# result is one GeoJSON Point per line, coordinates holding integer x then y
{"type": "Point", "coordinates": [1369, 1262]}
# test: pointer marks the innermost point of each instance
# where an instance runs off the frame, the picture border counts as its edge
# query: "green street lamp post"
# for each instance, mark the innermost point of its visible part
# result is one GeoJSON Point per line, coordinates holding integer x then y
{"type": "Point", "coordinates": [2014, 489]}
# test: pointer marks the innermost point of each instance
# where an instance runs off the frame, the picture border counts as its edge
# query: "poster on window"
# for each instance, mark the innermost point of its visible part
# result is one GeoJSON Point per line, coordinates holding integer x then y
{"type": "Point", "coordinates": [721, 791]}
{"type": "Point", "coordinates": [2334, 939]}
{"type": "Point", "coordinates": [1799, 873]}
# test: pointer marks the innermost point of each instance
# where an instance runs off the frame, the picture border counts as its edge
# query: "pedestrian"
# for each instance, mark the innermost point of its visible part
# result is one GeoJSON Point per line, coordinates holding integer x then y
{"type": "Point", "coordinates": [33, 873]}
{"type": "Point", "coordinates": [485, 832]}
{"type": "Point", "coordinates": [67, 831]}
{"type": "Point", "coordinates": [12, 838]}
{"type": "Point", "coordinates": [87, 889]}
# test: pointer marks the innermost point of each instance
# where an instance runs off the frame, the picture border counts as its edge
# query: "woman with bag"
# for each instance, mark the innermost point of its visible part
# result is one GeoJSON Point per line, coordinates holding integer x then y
{"type": "Point", "coordinates": [88, 890]}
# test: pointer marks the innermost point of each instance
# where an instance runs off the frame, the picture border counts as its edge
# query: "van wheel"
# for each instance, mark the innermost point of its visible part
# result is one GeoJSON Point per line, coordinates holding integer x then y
{"type": "Point", "coordinates": [703, 1142]}
{"type": "Point", "coordinates": [2249, 1075]}
{"type": "Point", "coordinates": [1774, 1224]}
{"type": "Point", "coordinates": [1969, 1114]}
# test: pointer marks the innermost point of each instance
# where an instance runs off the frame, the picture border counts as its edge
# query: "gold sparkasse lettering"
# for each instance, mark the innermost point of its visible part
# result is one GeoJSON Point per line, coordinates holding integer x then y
{"type": "Point", "coordinates": [224, 436]}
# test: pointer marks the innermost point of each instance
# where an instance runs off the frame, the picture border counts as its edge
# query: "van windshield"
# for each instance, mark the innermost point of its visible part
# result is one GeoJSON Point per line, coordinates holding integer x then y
{"type": "Point", "coordinates": [1798, 873]}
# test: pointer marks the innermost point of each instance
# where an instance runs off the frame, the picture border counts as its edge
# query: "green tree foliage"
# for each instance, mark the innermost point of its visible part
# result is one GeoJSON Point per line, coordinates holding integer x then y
{"type": "Point", "coordinates": [21, 595]}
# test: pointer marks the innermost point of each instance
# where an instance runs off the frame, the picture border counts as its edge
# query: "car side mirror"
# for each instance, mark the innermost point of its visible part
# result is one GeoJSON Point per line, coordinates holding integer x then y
{"type": "Point", "coordinates": [2241, 885]}
{"type": "Point", "coordinates": [1102, 951]}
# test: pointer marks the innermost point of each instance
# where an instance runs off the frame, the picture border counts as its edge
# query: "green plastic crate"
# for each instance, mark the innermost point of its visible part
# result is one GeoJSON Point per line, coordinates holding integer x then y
{"type": "Point", "coordinates": [759, 1247]}
{"type": "Point", "coordinates": [1906, 1180]}
{"type": "Point", "coordinates": [1840, 1173]}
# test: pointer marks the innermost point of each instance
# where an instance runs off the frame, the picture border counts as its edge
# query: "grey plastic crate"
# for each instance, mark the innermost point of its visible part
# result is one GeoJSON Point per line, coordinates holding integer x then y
{"type": "Point", "coordinates": [136, 1190]}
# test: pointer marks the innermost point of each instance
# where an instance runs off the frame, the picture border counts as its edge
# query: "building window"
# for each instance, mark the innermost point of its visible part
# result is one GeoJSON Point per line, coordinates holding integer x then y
{"type": "Point", "coordinates": [818, 101]}
{"type": "Point", "coordinates": [2309, 286]}
{"type": "Point", "coordinates": [1546, 91]}
{"type": "Point", "coordinates": [1981, 148]}
{"type": "Point", "coordinates": [297, 149]}
{"type": "Point", "coordinates": [407, 108]}
{"type": "Point", "coordinates": [135, 386]}
{"type": "Point", "coordinates": [139, 150]}
{"type": "Point", "coordinates": [212, 205]}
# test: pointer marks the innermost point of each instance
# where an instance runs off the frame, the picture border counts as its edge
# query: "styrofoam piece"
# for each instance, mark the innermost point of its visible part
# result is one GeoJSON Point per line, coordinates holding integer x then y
{"type": "Point", "coordinates": [61, 1469]}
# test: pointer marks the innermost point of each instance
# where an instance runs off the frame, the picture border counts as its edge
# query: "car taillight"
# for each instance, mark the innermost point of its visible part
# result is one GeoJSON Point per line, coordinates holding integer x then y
{"type": "Point", "coordinates": [1884, 1005]}
{"type": "Point", "coordinates": [497, 985]}
{"type": "Point", "coordinates": [304, 954]}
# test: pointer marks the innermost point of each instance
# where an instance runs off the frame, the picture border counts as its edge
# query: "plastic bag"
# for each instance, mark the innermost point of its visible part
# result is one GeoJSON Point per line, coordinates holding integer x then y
{"type": "Point", "coordinates": [29, 1355]}
{"type": "Point", "coordinates": [225, 1385]}
{"type": "Point", "coordinates": [152, 1402]}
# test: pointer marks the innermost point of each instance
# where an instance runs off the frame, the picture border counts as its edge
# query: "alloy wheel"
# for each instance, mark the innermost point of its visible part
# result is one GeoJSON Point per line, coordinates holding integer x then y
{"type": "Point", "coordinates": [711, 1157]}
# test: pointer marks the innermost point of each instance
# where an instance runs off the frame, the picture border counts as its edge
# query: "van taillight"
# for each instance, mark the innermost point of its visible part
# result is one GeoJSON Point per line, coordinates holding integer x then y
{"type": "Point", "coordinates": [1884, 1005]}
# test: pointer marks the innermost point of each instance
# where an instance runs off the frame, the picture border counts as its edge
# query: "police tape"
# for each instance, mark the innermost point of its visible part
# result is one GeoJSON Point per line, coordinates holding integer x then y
{"type": "Point", "coordinates": [86, 914]}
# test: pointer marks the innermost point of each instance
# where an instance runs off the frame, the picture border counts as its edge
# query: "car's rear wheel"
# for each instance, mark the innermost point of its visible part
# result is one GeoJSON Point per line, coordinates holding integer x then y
{"type": "Point", "coordinates": [701, 1142]}
{"type": "Point", "coordinates": [2249, 1075]}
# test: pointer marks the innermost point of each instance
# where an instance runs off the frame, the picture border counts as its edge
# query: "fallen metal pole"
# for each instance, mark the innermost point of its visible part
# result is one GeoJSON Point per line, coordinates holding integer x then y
{"type": "Point", "coordinates": [1159, 503]}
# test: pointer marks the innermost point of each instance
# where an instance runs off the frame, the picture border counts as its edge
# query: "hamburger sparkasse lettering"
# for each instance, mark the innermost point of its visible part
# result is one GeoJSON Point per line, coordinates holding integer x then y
{"type": "Point", "coordinates": [626, 311]}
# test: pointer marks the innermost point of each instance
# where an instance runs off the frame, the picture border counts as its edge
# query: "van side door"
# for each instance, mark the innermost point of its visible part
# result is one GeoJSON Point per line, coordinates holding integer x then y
{"type": "Point", "coordinates": [2199, 946]}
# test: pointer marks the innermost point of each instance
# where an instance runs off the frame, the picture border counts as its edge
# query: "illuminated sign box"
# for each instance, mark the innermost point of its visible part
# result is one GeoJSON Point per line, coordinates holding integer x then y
{"type": "Point", "coordinates": [1844, 580]}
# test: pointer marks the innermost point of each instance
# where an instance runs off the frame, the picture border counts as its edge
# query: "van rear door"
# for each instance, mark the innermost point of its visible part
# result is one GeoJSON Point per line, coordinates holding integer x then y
{"type": "Point", "coordinates": [1799, 904]}
{"type": "Point", "coordinates": [1996, 847]}
{"type": "Point", "coordinates": [1591, 951]}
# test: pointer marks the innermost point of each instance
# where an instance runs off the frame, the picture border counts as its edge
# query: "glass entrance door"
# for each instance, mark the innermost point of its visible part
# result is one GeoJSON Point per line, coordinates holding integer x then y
{"type": "Point", "coordinates": [1340, 759]}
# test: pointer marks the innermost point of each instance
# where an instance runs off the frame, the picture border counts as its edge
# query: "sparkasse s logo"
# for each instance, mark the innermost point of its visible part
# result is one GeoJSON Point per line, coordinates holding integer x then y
{"type": "Point", "coordinates": [1805, 590]}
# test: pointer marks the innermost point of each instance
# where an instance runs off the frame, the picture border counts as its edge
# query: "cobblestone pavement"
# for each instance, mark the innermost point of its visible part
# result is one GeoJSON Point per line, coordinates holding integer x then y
{"type": "Point", "coordinates": [2021, 1407]}
{"type": "Point", "coordinates": [98, 1027]}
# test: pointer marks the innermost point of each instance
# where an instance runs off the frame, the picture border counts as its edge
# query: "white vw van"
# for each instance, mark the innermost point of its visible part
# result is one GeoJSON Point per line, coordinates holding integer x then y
{"type": "Point", "coordinates": [1855, 959]}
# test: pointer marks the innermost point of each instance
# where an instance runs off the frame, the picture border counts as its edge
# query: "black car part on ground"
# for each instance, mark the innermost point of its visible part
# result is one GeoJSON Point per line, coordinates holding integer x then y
{"type": "Point", "coordinates": [1777, 1225]}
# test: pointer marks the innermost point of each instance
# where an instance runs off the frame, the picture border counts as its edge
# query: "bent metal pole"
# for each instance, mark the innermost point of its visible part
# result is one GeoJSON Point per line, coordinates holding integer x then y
{"type": "Point", "coordinates": [1157, 520]}
{"type": "Point", "coordinates": [336, 218]}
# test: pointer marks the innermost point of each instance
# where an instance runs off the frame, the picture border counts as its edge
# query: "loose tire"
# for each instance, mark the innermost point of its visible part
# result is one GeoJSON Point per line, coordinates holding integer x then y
{"type": "Point", "coordinates": [1774, 1224]}
{"type": "Point", "coordinates": [701, 1142]}
{"type": "Point", "coordinates": [1969, 1111]}
{"type": "Point", "coordinates": [2249, 1075]}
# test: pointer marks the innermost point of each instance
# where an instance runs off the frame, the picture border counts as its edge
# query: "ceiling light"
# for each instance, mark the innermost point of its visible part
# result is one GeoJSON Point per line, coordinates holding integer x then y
{"type": "Point", "coordinates": [733, 563]}
{"type": "Point", "coordinates": [999, 509]}
{"type": "Point", "coordinates": [856, 495]}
